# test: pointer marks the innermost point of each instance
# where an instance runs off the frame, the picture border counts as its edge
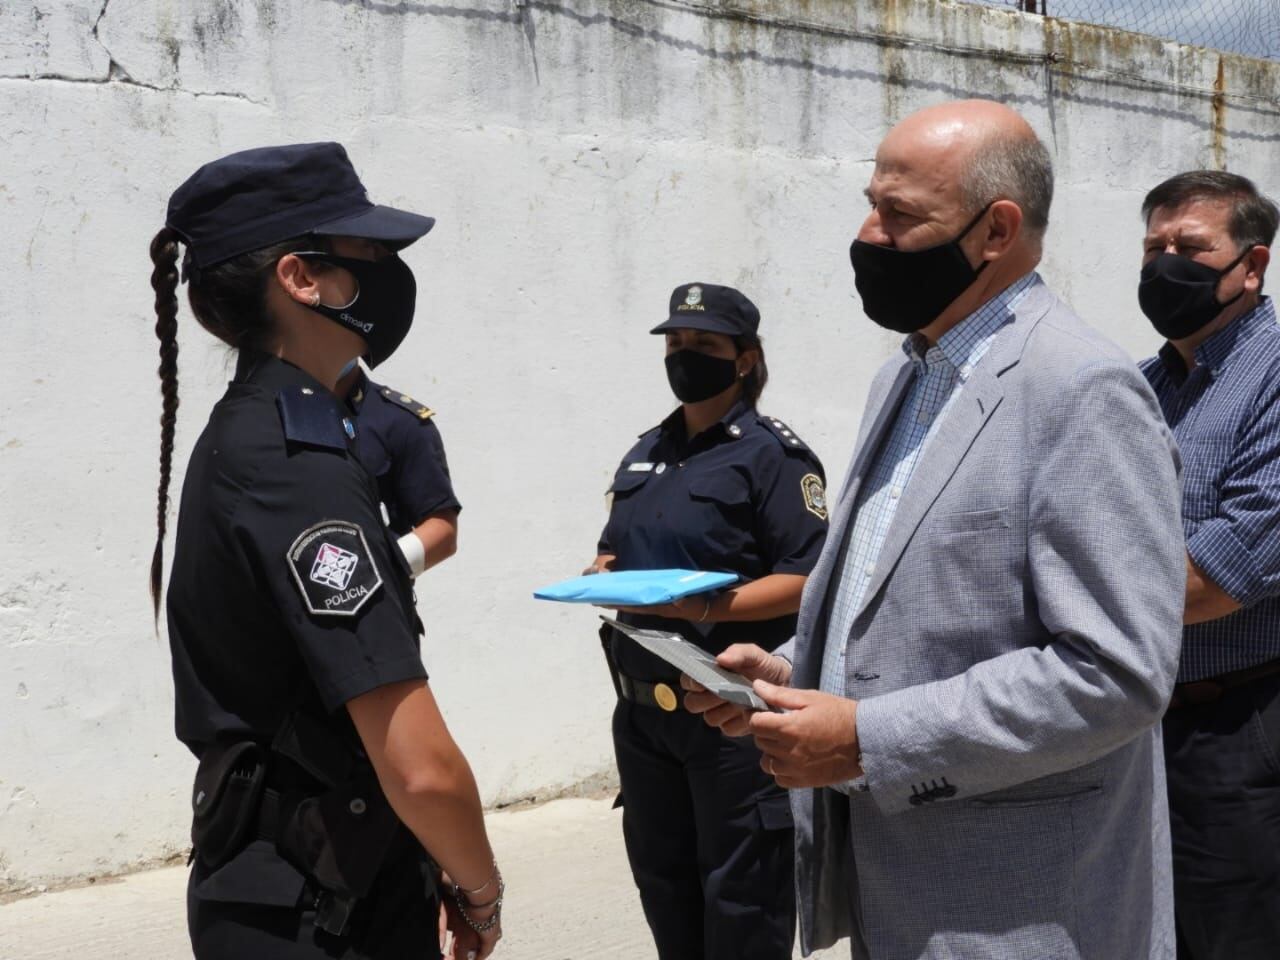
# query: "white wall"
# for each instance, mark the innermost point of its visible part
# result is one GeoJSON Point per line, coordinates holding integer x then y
{"type": "Point", "coordinates": [583, 158]}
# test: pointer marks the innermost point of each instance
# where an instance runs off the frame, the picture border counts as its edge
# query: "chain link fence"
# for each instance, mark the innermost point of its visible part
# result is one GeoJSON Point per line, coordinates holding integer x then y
{"type": "Point", "coordinates": [1251, 27]}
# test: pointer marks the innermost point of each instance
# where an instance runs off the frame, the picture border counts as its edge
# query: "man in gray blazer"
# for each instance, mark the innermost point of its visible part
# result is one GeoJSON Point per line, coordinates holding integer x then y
{"type": "Point", "coordinates": [991, 635]}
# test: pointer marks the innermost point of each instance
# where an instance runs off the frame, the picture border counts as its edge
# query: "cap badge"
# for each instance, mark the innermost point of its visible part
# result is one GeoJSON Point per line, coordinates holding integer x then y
{"type": "Point", "coordinates": [695, 296]}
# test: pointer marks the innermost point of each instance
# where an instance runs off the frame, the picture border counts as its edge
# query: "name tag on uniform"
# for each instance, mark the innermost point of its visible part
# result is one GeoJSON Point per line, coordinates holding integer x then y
{"type": "Point", "coordinates": [639, 467]}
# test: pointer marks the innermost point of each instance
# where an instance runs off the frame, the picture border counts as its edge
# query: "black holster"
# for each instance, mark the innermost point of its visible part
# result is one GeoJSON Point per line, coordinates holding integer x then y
{"type": "Point", "coordinates": [342, 833]}
{"type": "Point", "coordinates": [225, 800]}
{"type": "Point", "coordinates": [606, 644]}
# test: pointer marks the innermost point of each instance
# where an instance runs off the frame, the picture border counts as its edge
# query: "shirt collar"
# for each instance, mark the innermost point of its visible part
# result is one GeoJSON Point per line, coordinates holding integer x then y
{"type": "Point", "coordinates": [359, 391]}
{"type": "Point", "coordinates": [730, 425]}
{"type": "Point", "coordinates": [1220, 346]}
{"type": "Point", "coordinates": [1215, 351]}
{"type": "Point", "coordinates": [964, 344]}
{"type": "Point", "coordinates": [266, 370]}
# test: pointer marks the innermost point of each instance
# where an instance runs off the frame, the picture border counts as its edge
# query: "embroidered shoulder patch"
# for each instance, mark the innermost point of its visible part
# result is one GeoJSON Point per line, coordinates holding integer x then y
{"type": "Point", "coordinates": [815, 495]}
{"type": "Point", "coordinates": [333, 568]}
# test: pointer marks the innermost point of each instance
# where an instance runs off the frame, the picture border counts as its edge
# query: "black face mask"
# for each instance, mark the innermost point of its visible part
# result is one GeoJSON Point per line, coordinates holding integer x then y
{"type": "Point", "coordinates": [382, 309]}
{"type": "Point", "coordinates": [906, 290]}
{"type": "Point", "coordinates": [695, 376]}
{"type": "Point", "coordinates": [1180, 296]}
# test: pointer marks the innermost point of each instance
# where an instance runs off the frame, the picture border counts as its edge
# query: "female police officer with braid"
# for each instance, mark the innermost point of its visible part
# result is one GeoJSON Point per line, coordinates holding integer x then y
{"type": "Point", "coordinates": [326, 770]}
{"type": "Point", "coordinates": [716, 486]}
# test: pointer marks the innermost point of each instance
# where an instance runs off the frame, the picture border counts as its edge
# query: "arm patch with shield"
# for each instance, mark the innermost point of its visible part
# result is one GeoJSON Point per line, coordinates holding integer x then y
{"type": "Point", "coordinates": [333, 568]}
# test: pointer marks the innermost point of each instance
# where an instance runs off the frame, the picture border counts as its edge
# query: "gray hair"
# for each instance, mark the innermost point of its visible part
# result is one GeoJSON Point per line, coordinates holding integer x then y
{"type": "Point", "coordinates": [1011, 166]}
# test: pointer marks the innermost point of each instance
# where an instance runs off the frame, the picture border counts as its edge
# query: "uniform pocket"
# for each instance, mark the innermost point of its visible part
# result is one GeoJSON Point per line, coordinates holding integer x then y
{"type": "Point", "coordinates": [627, 481]}
{"type": "Point", "coordinates": [724, 488]}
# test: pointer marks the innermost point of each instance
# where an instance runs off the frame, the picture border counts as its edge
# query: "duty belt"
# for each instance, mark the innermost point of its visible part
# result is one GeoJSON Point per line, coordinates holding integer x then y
{"type": "Point", "coordinates": [667, 697]}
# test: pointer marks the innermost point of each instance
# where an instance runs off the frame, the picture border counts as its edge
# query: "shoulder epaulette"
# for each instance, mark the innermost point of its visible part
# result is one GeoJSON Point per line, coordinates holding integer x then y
{"type": "Point", "coordinates": [312, 417]}
{"type": "Point", "coordinates": [406, 402]}
{"type": "Point", "coordinates": [784, 434]}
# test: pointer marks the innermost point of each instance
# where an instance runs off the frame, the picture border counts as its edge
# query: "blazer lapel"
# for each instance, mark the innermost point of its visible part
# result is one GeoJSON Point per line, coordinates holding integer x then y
{"type": "Point", "coordinates": [964, 421]}
{"type": "Point", "coordinates": [978, 399]}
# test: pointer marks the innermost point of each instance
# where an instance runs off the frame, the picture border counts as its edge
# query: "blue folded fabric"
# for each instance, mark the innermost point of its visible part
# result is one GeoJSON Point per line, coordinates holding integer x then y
{"type": "Point", "coordinates": [635, 588]}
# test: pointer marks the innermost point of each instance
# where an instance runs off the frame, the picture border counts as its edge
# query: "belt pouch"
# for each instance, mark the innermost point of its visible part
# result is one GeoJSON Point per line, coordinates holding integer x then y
{"type": "Point", "coordinates": [225, 798]}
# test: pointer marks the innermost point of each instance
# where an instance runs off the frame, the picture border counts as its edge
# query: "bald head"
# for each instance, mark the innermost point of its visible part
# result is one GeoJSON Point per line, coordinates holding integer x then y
{"type": "Point", "coordinates": [973, 152]}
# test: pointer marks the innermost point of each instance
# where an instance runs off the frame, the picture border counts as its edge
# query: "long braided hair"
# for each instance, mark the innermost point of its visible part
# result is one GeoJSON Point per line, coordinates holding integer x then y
{"type": "Point", "coordinates": [229, 300]}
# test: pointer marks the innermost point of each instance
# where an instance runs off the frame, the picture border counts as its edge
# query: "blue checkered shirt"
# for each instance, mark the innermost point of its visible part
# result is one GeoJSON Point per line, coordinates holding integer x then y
{"type": "Point", "coordinates": [940, 374]}
{"type": "Point", "coordinates": [1225, 415]}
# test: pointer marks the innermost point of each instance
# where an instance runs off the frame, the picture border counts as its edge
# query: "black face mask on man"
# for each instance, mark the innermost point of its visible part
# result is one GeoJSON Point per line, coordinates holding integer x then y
{"type": "Point", "coordinates": [1180, 296]}
{"type": "Point", "coordinates": [906, 290]}
{"type": "Point", "coordinates": [695, 376]}
{"type": "Point", "coordinates": [382, 309]}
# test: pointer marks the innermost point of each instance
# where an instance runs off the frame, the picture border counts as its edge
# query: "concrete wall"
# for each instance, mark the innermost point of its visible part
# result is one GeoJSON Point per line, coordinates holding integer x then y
{"type": "Point", "coordinates": [582, 158]}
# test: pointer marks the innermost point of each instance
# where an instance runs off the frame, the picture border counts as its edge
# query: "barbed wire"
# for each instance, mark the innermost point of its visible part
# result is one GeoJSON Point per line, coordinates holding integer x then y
{"type": "Point", "coordinates": [1251, 27]}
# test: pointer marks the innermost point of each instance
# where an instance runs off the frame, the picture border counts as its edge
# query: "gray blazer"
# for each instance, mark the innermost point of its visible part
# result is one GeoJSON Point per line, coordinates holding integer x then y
{"type": "Point", "coordinates": [1019, 638]}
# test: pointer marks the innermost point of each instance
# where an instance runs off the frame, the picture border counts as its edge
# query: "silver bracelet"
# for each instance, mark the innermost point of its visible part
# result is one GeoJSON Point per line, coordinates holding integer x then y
{"type": "Point", "coordinates": [706, 611]}
{"type": "Point", "coordinates": [464, 906]}
{"type": "Point", "coordinates": [457, 887]}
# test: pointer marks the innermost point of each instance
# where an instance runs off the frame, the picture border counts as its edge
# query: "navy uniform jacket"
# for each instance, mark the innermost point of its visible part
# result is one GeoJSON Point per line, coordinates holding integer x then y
{"type": "Point", "coordinates": [286, 586]}
{"type": "Point", "coordinates": [745, 496]}
{"type": "Point", "coordinates": [400, 445]}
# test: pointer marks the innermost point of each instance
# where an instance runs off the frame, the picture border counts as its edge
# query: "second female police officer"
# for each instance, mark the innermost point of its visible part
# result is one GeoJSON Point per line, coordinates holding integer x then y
{"type": "Point", "coordinates": [716, 486]}
{"type": "Point", "coordinates": [401, 446]}
{"type": "Point", "coordinates": [326, 770]}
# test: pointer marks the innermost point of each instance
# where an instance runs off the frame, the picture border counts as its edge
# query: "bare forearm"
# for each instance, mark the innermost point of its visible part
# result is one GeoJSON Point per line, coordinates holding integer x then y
{"type": "Point", "coordinates": [425, 777]}
{"type": "Point", "coordinates": [439, 536]}
{"type": "Point", "coordinates": [1205, 599]}
{"type": "Point", "coordinates": [776, 595]}
{"type": "Point", "coordinates": [443, 811]}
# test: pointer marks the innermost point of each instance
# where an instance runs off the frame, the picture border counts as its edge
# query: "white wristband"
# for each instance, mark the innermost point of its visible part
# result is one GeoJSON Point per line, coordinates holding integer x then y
{"type": "Point", "coordinates": [414, 552]}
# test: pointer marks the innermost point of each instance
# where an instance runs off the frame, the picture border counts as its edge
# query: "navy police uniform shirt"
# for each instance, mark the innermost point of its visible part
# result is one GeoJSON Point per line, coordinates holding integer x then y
{"type": "Point", "coordinates": [744, 496]}
{"type": "Point", "coordinates": [286, 587]}
{"type": "Point", "coordinates": [399, 444]}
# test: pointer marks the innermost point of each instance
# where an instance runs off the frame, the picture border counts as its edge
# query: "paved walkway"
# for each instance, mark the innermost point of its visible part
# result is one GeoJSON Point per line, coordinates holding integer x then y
{"type": "Point", "coordinates": [569, 891]}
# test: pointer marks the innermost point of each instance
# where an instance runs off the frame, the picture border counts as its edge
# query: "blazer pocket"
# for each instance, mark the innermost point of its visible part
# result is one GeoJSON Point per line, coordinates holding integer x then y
{"type": "Point", "coordinates": [974, 521]}
{"type": "Point", "coordinates": [1037, 795]}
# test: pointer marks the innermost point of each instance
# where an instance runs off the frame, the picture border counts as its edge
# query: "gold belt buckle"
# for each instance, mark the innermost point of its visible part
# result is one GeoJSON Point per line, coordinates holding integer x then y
{"type": "Point", "coordinates": [665, 697]}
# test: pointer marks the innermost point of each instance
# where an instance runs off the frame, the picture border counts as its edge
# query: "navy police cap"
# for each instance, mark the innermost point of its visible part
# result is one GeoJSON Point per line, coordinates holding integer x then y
{"type": "Point", "coordinates": [256, 198]}
{"type": "Point", "coordinates": [711, 307]}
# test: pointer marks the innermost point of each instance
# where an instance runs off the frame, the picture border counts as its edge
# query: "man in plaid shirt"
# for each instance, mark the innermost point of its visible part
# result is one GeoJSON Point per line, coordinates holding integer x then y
{"type": "Point", "coordinates": [1218, 382]}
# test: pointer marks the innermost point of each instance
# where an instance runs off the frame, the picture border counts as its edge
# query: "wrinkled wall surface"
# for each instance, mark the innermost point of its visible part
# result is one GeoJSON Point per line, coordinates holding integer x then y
{"type": "Point", "coordinates": [582, 158]}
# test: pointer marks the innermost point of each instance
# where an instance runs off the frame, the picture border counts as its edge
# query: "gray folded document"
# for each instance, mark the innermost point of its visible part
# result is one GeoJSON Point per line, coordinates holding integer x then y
{"type": "Point", "coordinates": [692, 660]}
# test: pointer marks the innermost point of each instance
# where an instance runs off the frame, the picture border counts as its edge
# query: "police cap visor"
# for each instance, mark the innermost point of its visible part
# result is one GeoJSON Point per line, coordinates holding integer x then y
{"type": "Point", "coordinates": [256, 198]}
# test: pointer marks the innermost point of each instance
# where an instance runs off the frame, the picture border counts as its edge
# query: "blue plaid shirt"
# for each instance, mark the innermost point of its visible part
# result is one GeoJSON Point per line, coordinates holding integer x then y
{"type": "Point", "coordinates": [1225, 416]}
{"type": "Point", "coordinates": [940, 374]}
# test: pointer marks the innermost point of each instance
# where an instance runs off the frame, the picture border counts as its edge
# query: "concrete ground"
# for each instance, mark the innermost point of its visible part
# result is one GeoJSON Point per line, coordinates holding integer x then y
{"type": "Point", "coordinates": [569, 897]}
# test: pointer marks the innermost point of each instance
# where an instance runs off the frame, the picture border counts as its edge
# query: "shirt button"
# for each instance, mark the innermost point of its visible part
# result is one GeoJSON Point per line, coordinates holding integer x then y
{"type": "Point", "coordinates": [895, 493]}
{"type": "Point", "coordinates": [966, 370]}
{"type": "Point", "coordinates": [922, 416]}
{"type": "Point", "coordinates": [869, 569]}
